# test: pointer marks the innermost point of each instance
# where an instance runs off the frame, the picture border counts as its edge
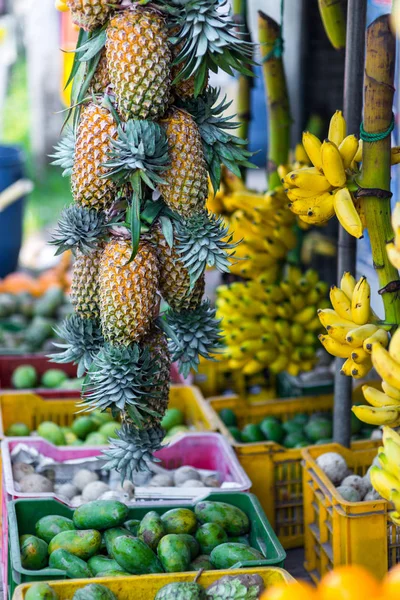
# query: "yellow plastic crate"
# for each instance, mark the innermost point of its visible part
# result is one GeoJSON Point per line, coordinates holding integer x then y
{"type": "Point", "coordinates": [28, 408]}
{"type": "Point", "coordinates": [338, 532]}
{"type": "Point", "coordinates": [275, 471]}
{"type": "Point", "coordinates": [145, 587]}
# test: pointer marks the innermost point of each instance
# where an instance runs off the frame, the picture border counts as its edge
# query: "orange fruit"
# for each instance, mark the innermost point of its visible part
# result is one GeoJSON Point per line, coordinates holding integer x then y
{"type": "Point", "coordinates": [350, 582]}
{"type": "Point", "coordinates": [391, 584]}
{"type": "Point", "coordinates": [297, 590]}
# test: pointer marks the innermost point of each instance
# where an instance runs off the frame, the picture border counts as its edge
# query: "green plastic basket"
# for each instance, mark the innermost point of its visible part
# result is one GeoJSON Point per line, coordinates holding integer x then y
{"type": "Point", "coordinates": [23, 514]}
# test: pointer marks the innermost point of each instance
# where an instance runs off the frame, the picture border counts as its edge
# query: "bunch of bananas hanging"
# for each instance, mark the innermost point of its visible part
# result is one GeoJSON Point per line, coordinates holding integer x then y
{"type": "Point", "coordinates": [386, 478]}
{"type": "Point", "coordinates": [384, 406]}
{"type": "Point", "coordinates": [352, 327]}
{"type": "Point", "coordinates": [393, 248]}
{"type": "Point", "coordinates": [271, 325]}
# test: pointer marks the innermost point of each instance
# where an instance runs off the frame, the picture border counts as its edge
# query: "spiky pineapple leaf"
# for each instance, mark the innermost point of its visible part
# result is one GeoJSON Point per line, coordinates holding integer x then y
{"type": "Point", "coordinates": [167, 230]}
{"type": "Point", "coordinates": [135, 224]}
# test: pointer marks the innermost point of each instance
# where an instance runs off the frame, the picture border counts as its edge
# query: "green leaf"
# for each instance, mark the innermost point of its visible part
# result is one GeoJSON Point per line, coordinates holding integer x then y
{"type": "Point", "coordinates": [135, 225]}
{"type": "Point", "coordinates": [75, 65]}
{"type": "Point", "coordinates": [168, 230]}
{"type": "Point", "coordinates": [151, 211]}
{"type": "Point", "coordinates": [93, 46]}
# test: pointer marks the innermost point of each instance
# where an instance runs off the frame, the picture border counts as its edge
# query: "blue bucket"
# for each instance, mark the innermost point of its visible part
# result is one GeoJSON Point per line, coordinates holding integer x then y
{"type": "Point", "coordinates": [11, 170]}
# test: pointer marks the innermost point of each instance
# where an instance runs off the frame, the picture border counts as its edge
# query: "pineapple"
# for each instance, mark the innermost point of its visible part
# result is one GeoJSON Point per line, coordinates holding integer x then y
{"type": "Point", "coordinates": [186, 187]}
{"type": "Point", "coordinates": [139, 61]}
{"type": "Point", "coordinates": [90, 14]}
{"type": "Point", "coordinates": [157, 343]}
{"type": "Point", "coordinates": [85, 285]}
{"type": "Point", "coordinates": [81, 339]}
{"type": "Point", "coordinates": [128, 291]}
{"type": "Point", "coordinates": [101, 78]}
{"type": "Point", "coordinates": [93, 143]}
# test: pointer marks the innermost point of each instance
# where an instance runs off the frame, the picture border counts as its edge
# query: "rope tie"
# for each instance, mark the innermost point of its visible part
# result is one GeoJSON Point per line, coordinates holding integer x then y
{"type": "Point", "coordinates": [376, 137]}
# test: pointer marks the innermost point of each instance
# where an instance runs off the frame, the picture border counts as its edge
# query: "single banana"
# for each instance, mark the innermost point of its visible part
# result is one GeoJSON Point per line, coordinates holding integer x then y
{"type": "Point", "coordinates": [341, 303]}
{"type": "Point", "coordinates": [360, 356]}
{"type": "Point", "coordinates": [383, 482]}
{"type": "Point", "coordinates": [337, 128]}
{"type": "Point", "coordinates": [360, 302]}
{"type": "Point", "coordinates": [394, 254]}
{"type": "Point", "coordinates": [301, 155]}
{"type": "Point", "coordinates": [359, 371]}
{"type": "Point", "coordinates": [347, 214]}
{"type": "Point", "coordinates": [328, 316]}
{"type": "Point", "coordinates": [394, 346]}
{"type": "Point", "coordinates": [392, 392]}
{"type": "Point", "coordinates": [338, 332]}
{"type": "Point", "coordinates": [313, 296]}
{"type": "Point", "coordinates": [282, 171]}
{"type": "Point", "coordinates": [377, 398]}
{"type": "Point", "coordinates": [335, 348]}
{"type": "Point", "coordinates": [374, 415]}
{"type": "Point", "coordinates": [332, 164]}
{"type": "Point", "coordinates": [391, 462]}
{"type": "Point", "coordinates": [380, 336]}
{"type": "Point", "coordinates": [357, 336]}
{"type": "Point", "coordinates": [347, 367]}
{"type": "Point", "coordinates": [320, 205]}
{"type": "Point", "coordinates": [358, 154]}
{"type": "Point", "coordinates": [396, 224]}
{"type": "Point", "coordinates": [386, 366]}
{"type": "Point", "coordinates": [395, 155]}
{"type": "Point", "coordinates": [300, 194]}
{"type": "Point", "coordinates": [305, 316]}
{"type": "Point", "coordinates": [347, 284]}
{"type": "Point", "coordinates": [348, 149]}
{"type": "Point", "coordinates": [308, 179]}
{"type": "Point", "coordinates": [319, 211]}
{"type": "Point", "coordinates": [312, 145]}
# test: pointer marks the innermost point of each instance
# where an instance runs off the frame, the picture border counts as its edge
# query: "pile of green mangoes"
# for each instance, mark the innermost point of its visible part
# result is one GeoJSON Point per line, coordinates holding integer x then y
{"type": "Point", "coordinates": [26, 377]}
{"type": "Point", "coordinates": [300, 431]}
{"type": "Point", "coordinates": [27, 323]}
{"type": "Point", "coordinates": [101, 541]}
{"type": "Point", "coordinates": [173, 422]}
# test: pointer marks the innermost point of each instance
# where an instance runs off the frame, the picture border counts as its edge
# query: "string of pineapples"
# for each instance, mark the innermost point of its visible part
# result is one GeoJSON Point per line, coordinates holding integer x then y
{"type": "Point", "coordinates": [145, 133]}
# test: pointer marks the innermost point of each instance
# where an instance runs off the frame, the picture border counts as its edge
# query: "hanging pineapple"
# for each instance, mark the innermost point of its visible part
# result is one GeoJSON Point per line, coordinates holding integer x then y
{"type": "Point", "coordinates": [145, 135]}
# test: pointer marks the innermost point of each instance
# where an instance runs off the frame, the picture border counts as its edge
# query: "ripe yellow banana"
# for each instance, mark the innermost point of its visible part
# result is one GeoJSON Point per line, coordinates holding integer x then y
{"type": "Point", "coordinates": [380, 336]}
{"type": "Point", "coordinates": [332, 164]}
{"type": "Point", "coordinates": [341, 303]}
{"type": "Point", "coordinates": [312, 145]}
{"type": "Point", "coordinates": [328, 316]}
{"type": "Point", "coordinates": [394, 515]}
{"type": "Point", "coordinates": [356, 337]}
{"type": "Point", "coordinates": [377, 398]}
{"type": "Point", "coordinates": [394, 254]}
{"type": "Point", "coordinates": [383, 482]}
{"type": "Point", "coordinates": [396, 224]}
{"type": "Point", "coordinates": [360, 356]}
{"type": "Point", "coordinates": [374, 415]}
{"type": "Point", "coordinates": [359, 371]}
{"type": "Point", "coordinates": [300, 194]}
{"type": "Point", "coordinates": [358, 154]}
{"type": "Point", "coordinates": [348, 149]}
{"type": "Point", "coordinates": [335, 348]}
{"type": "Point", "coordinates": [391, 460]}
{"type": "Point", "coordinates": [338, 332]}
{"type": "Point", "coordinates": [394, 346]}
{"type": "Point", "coordinates": [347, 367]}
{"type": "Point", "coordinates": [395, 155]}
{"type": "Point", "coordinates": [391, 391]}
{"type": "Point", "coordinates": [386, 366]}
{"type": "Point", "coordinates": [308, 179]}
{"type": "Point", "coordinates": [301, 155]}
{"type": "Point", "coordinates": [319, 211]}
{"type": "Point", "coordinates": [337, 128]}
{"type": "Point", "coordinates": [347, 214]}
{"type": "Point", "coordinates": [252, 367]}
{"type": "Point", "coordinates": [360, 302]}
{"type": "Point", "coordinates": [347, 284]}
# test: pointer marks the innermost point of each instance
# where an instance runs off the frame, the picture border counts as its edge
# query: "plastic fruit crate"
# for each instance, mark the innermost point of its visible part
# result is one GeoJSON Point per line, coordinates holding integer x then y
{"type": "Point", "coordinates": [275, 471]}
{"type": "Point", "coordinates": [338, 532]}
{"type": "Point", "coordinates": [293, 387]}
{"type": "Point", "coordinates": [23, 514]}
{"type": "Point", "coordinates": [200, 450]}
{"type": "Point", "coordinates": [31, 409]}
{"type": "Point", "coordinates": [147, 587]}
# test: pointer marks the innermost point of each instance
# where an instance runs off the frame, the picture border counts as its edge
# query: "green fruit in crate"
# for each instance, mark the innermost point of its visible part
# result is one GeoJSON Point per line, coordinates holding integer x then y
{"type": "Point", "coordinates": [53, 378]}
{"type": "Point", "coordinates": [235, 433]}
{"type": "Point", "coordinates": [232, 519]}
{"type": "Point", "coordinates": [318, 428]}
{"type": "Point", "coordinates": [228, 417]}
{"type": "Point", "coordinates": [227, 555]}
{"type": "Point", "coordinates": [102, 564]}
{"type": "Point", "coordinates": [301, 418]}
{"type": "Point", "coordinates": [74, 567]}
{"type": "Point", "coordinates": [109, 430]}
{"type": "Point", "coordinates": [94, 591]}
{"type": "Point", "coordinates": [100, 418]}
{"type": "Point", "coordinates": [77, 442]}
{"type": "Point", "coordinates": [272, 431]}
{"type": "Point", "coordinates": [151, 529]}
{"type": "Point", "coordinates": [7, 305]}
{"type": "Point", "coordinates": [71, 439]}
{"type": "Point", "coordinates": [209, 536]}
{"type": "Point", "coordinates": [179, 520]}
{"type": "Point", "coordinates": [181, 591]}
{"type": "Point", "coordinates": [71, 384]}
{"type": "Point", "coordinates": [302, 444]}
{"type": "Point", "coordinates": [47, 305]}
{"type": "Point", "coordinates": [193, 544]}
{"type": "Point", "coordinates": [175, 430]}
{"type": "Point", "coordinates": [114, 573]}
{"type": "Point", "coordinates": [82, 426]}
{"type": "Point", "coordinates": [40, 591]}
{"type": "Point", "coordinates": [18, 430]}
{"type": "Point", "coordinates": [96, 439]}
{"type": "Point", "coordinates": [38, 331]}
{"type": "Point", "coordinates": [174, 553]}
{"type": "Point", "coordinates": [135, 556]}
{"type": "Point", "coordinates": [110, 535]}
{"type": "Point", "coordinates": [172, 418]}
{"type": "Point", "coordinates": [26, 304]}
{"type": "Point", "coordinates": [83, 544]}
{"type": "Point", "coordinates": [100, 514]}
{"type": "Point", "coordinates": [292, 426]}
{"type": "Point", "coordinates": [201, 562]}
{"type": "Point", "coordinates": [294, 438]}
{"type": "Point", "coordinates": [51, 432]}
{"type": "Point", "coordinates": [239, 539]}
{"type": "Point", "coordinates": [34, 553]}
{"type": "Point", "coordinates": [24, 377]}
{"type": "Point", "coordinates": [252, 433]}
{"type": "Point", "coordinates": [48, 527]}
{"type": "Point", "coordinates": [133, 526]}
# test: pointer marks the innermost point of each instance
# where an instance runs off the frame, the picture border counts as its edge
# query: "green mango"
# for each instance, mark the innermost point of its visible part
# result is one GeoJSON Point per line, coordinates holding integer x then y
{"type": "Point", "coordinates": [53, 378]}
{"type": "Point", "coordinates": [110, 535]}
{"type": "Point", "coordinates": [179, 520]}
{"type": "Point", "coordinates": [151, 529]}
{"type": "Point", "coordinates": [18, 430]}
{"type": "Point", "coordinates": [240, 539]}
{"type": "Point", "coordinates": [209, 536]}
{"type": "Point", "coordinates": [100, 514]}
{"type": "Point", "coordinates": [83, 544]}
{"type": "Point", "coordinates": [102, 564]}
{"type": "Point", "coordinates": [74, 567]}
{"type": "Point", "coordinates": [201, 562]}
{"type": "Point", "coordinates": [33, 553]}
{"type": "Point", "coordinates": [133, 526]}
{"type": "Point", "coordinates": [47, 527]}
{"type": "Point", "coordinates": [172, 418]}
{"type": "Point", "coordinates": [109, 430]}
{"type": "Point", "coordinates": [40, 591]}
{"type": "Point", "coordinates": [96, 439]}
{"type": "Point", "coordinates": [51, 432]}
{"type": "Point", "coordinates": [232, 519]}
{"type": "Point", "coordinates": [226, 555]}
{"type": "Point", "coordinates": [174, 553]}
{"type": "Point", "coordinates": [94, 591]}
{"type": "Point", "coordinates": [100, 417]}
{"type": "Point", "coordinates": [82, 426]}
{"type": "Point", "coordinates": [193, 544]}
{"type": "Point", "coordinates": [135, 556]}
{"type": "Point", "coordinates": [181, 591]}
{"type": "Point", "coordinates": [24, 377]}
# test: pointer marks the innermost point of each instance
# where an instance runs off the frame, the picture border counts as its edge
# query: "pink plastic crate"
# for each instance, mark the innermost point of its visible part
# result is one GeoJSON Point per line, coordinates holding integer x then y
{"type": "Point", "coordinates": [208, 451]}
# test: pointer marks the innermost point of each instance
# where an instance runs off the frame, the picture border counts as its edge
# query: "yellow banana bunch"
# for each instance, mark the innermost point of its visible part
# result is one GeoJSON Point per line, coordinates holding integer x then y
{"type": "Point", "coordinates": [270, 325]}
{"type": "Point", "coordinates": [351, 326]}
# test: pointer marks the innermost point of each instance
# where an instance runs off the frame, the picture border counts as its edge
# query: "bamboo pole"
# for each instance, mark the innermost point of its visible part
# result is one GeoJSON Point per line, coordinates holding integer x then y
{"type": "Point", "coordinates": [279, 120]}
{"type": "Point", "coordinates": [245, 82]}
{"type": "Point", "coordinates": [378, 104]}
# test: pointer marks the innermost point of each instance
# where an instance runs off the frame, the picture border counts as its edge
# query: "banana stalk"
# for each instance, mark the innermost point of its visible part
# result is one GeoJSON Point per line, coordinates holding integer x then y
{"type": "Point", "coordinates": [245, 82]}
{"type": "Point", "coordinates": [334, 22]}
{"type": "Point", "coordinates": [378, 102]}
{"type": "Point", "coordinates": [279, 120]}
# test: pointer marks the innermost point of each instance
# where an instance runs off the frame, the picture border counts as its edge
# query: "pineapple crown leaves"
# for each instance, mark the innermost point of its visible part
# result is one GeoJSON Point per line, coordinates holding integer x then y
{"type": "Point", "coordinates": [133, 450]}
{"type": "Point", "coordinates": [122, 378]}
{"type": "Point", "coordinates": [79, 228]}
{"type": "Point", "coordinates": [210, 40]}
{"type": "Point", "coordinates": [65, 152]}
{"type": "Point", "coordinates": [219, 145]}
{"type": "Point", "coordinates": [204, 240]}
{"type": "Point", "coordinates": [83, 340]}
{"type": "Point", "coordinates": [196, 333]}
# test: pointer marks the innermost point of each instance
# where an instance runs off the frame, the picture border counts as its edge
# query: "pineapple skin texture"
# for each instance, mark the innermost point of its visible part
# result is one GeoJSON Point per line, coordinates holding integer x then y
{"type": "Point", "coordinates": [139, 61]}
{"type": "Point", "coordinates": [90, 14]}
{"type": "Point", "coordinates": [128, 292]}
{"type": "Point", "coordinates": [92, 145]}
{"type": "Point", "coordinates": [186, 187]}
{"type": "Point", "coordinates": [85, 285]}
{"type": "Point", "coordinates": [101, 77]}
{"type": "Point", "coordinates": [156, 340]}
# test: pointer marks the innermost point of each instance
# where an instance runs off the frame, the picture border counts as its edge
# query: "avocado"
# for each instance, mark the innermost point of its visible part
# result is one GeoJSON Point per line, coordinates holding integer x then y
{"type": "Point", "coordinates": [252, 433]}
{"type": "Point", "coordinates": [53, 378]}
{"type": "Point", "coordinates": [228, 417]}
{"type": "Point", "coordinates": [24, 377]}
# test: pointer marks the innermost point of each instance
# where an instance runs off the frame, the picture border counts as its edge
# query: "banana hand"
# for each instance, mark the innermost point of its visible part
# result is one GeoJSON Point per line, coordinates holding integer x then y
{"type": "Point", "coordinates": [357, 336]}
{"type": "Point", "coordinates": [347, 284]}
{"type": "Point", "coordinates": [386, 366]}
{"type": "Point", "coordinates": [348, 149]}
{"type": "Point", "coordinates": [374, 415]}
{"type": "Point", "coordinates": [337, 128]}
{"type": "Point", "coordinates": [335, 348]}
{"type": "Point", "coordinates": [360, 302]}
{"type": "Point", "coordinates": [332, 164]}
{"type": "Point", "coordinates": [312, 145]}
{"type": "Point", "coordinates": [377, 398]}
{"type": "Point", "coordinates": [394, 254]}
{"type": "Point", "coordinates": [383, 482]}
{"type": "Point", "coordinates": [341, 303]}
{"type": "Point", "coordinates": [347, 214]}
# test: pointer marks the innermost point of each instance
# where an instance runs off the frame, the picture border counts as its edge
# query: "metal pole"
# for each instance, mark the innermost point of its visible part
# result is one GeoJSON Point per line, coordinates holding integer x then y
{"type": "Point", "coordinates": [352, 108]}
